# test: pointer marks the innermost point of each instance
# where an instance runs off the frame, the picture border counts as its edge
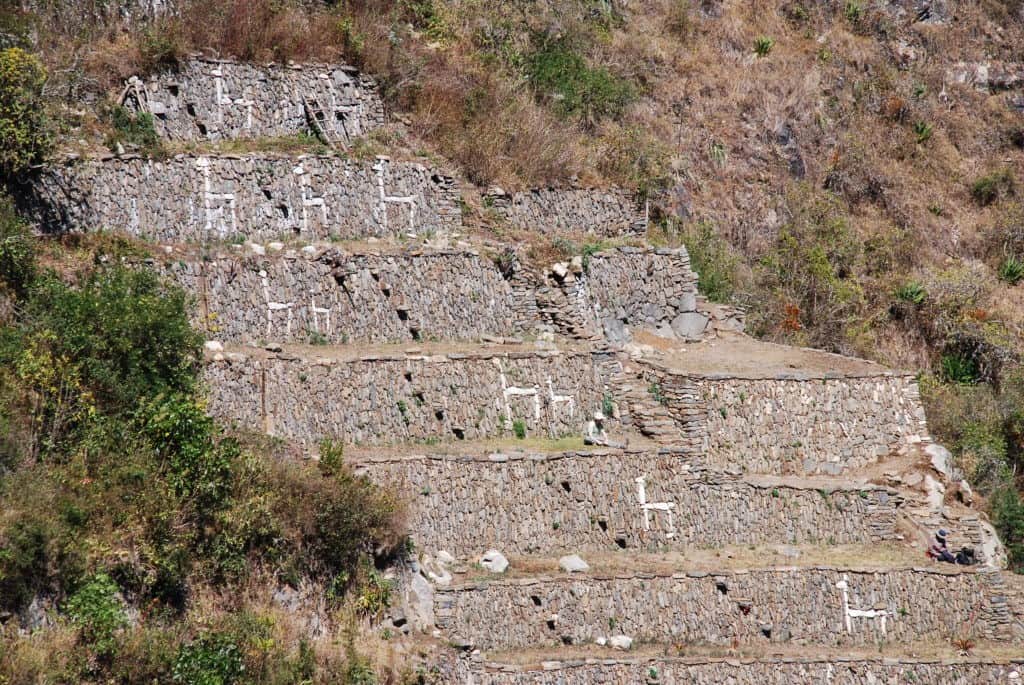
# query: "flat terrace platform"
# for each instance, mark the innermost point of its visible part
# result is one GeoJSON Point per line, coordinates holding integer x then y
{"type": "Point", "coordinates": [740, 356]}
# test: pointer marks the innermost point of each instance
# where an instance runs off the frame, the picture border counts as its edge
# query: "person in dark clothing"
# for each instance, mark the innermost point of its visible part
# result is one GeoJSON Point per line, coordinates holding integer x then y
{"type": "Point", "coordinates": [939, 551]}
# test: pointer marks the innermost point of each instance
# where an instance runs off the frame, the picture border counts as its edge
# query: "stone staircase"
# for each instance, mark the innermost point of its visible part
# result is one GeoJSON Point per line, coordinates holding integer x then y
{"type": "Point", "coordinates": [752, 517]}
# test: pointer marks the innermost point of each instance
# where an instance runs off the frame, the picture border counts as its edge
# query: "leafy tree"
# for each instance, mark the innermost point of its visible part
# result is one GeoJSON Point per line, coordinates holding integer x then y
{"type": "Point", "coordinates": [127, 334]}
{"type": "Point", "coordinates": [24, 138]}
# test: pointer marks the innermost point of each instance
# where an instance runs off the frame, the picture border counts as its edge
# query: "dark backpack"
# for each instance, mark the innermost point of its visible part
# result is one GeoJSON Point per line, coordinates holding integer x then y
{"type": "Point", "coordinates": [965, 557]}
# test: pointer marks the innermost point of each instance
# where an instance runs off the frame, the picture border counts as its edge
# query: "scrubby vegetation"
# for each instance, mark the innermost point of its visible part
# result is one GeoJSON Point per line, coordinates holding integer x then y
{"type": "Point", "coordinates": [121, 502]}
{"type": "Point", "coordinates": [24, 136]}
{"type": "Point", "coordinates": [821, 162]}
{"type": "Point", "coordinates": [851, 196]}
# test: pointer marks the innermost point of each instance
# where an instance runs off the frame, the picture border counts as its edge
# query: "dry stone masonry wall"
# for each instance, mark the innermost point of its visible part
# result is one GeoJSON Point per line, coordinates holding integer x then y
{"type": "Point", "coordinates": [328, 295]}
{"type": "Point", "coordinates": [841, 670]}
{"type": "Point", "coordinates": [191, 198]}
{"type": "Point", "coordinates": [400, 399]}
{"type": "Point", "coordinates": [655, 289]}
{"type": "Point", "coordinates": [811, 606]}
{"type": "Point", "coordinates": [789, 426]}
{"type": "Point", "coordinates": [215, 100]}
{"type": "Point", "coordinates": [334, 297]}
{"type": "Point", "coordinates": [602, 295]}
{"type": "Point", "coordinates": [549, 503]}
{"type": "Point", "coordinates": [604, 213]}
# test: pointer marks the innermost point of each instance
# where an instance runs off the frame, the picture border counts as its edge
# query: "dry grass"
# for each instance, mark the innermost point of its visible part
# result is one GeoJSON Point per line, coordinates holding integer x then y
{"type": "Point", "coordinates": [728, 558]}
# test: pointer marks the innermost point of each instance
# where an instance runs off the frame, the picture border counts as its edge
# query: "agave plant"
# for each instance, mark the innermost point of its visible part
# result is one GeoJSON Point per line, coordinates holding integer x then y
{"type": "Point", "coordinates": [1011, 271]}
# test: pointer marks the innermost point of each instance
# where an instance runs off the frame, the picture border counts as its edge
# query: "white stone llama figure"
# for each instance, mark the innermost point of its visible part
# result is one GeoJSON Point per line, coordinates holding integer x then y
{"type": "Point", "coordinates": [316, 312]}
{"type": "Point", "coordinates": [214, 203]}
{"type": "Point", "coordinates": [308, 198]}
{"type": "Point", "coordinates": [556, 400]}
{"type": "Point", "coordinates": [224, 100]}
{"type": "Point", "coordinates": [510, 391]}
{"type": "Point", "coordinates": [274, 307]}
{"type": "Point", "coordinates": [350, 127]}
{"type": "Point", "coordinates": [850, 614]}
{"type": "Point", "coordinates": [380, 212]}
{"type": "Point", "coordinates": [647, 507]}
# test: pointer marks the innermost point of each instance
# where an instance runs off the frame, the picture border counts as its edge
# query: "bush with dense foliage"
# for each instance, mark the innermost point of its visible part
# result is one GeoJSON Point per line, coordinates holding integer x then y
{"type": "Point", "coordinates": [23, 132]}
{"type": "Point", "coordinates": [116, 487]}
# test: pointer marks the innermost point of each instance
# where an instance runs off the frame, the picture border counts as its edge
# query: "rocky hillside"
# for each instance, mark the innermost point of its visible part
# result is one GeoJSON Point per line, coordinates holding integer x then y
{"type": "Point", "coordinates": [404, 341]}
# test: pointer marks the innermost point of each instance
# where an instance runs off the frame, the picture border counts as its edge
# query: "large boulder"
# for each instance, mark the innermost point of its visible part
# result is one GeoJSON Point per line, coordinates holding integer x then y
{"type": "Point", "coordinates": [494, 561]}
{"type": "Point", "coordinates": [690, 325]}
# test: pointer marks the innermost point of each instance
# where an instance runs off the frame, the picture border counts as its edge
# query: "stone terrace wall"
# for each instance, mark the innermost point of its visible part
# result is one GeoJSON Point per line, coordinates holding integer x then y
{"type": "Point", "coordinates": [803, 606]}
{"type": "Point", "coordinates": [402, 296]}
{"type": "Point", "coordinates": [772, 671]}
{"type": "Point", "coordinates": [552, 503]}
{"type": "Point", "coordinates": [395, 399]}
{"type": "Point", "coordinates": [551, 211]}
{"type": "Point", "coordinates": [126, 10]}
{"type": "Point", "coordinates": [194, 198]}
{"type": "Point", "coordinates": [215, 99]}
{"type": "Point", "coordinates": [641, 287]}
{"type": "Point", "coordinates": [342, 298]}
{"type": "Point", "coordinates": [809, 426]}
{"type": "Point", "coordinates": [614, 290]}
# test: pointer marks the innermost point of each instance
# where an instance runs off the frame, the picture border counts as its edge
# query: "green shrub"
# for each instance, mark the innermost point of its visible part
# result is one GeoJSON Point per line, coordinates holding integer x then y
{"type": "Point", "coordinates": [959, 368]}
{"type": "Point", "coordinates": [1011, 270]}
{"type": "Point", "coordinates": [24, 139]}
{"type": "Point", "coordinates": [24, 563]}
{"type": "Point", "coordinates": [718, 153]}
{"type": "Point", "coordinates": [923, 130]}
{"type": "Point", "coordinates": [17, 251]}
{"type": "Point", "coordinates": [332, 457]}
{"type": "Point", "coordinates": [133, 130]}
{"type": "Point", "coordinates": [423, 14]}
{"type": "Point", "coordinates": [812, 271]}
{"type": "Point", "coordinates": [519, 429]}
{"type": "Point", "coordinates": [912, 292]}
{"type": "Point", "coordinates": [211, 659]}
{"type": "Point", "coordinates": [560, 75]}
{"type": "Point", "coordinates": [1007, 510]}
{"type": "Point", "coordinates": [763, 45]}
{"type": "Point", "coordinates": [160, 48]}
{"type": "Point", "coordinates": [358, 670]}
{"type": "Point", "coordinates": [352, 519]}
{"type": "Point", "coordinates": [374, 595]}
{"type": "Point", "coordinates": [714, 261]}
{"type": "Point", "coordinates": [991, 187]}
{"type": "Point", "coordinates": [588, 251]}
{"type": "Point", "coordinates": [98, 613]}
{"type": "Point", "coordinates": [183, 436]}
{"type": "Point", "coordinates": [127, 334]}
{"type": "Point", "coordinates": [984, 428]}
{"type": "Point", "coordinates": [853, 12]}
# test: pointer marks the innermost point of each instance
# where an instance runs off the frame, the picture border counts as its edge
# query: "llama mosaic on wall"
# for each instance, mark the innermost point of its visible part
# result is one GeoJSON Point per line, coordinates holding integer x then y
{"type": "Point", "coordinates": [208, 99]}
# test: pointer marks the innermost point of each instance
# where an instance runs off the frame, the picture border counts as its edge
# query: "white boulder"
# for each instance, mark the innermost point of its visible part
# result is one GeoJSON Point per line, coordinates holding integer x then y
{"type": "Point", "coordinates": [494, 561]}
{"type": "Point", "coordinates": [573, 563]}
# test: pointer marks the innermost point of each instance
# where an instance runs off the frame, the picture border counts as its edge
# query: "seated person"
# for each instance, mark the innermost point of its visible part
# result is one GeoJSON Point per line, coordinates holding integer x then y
{"type": "Point", "coordinates": [939, 551]}
{"type": "Point", "coordinates": [595, 433]}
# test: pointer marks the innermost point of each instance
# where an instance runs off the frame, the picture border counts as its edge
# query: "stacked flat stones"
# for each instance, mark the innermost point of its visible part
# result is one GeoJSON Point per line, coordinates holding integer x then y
{"type": "Point", "coordinates": [728, 472]}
